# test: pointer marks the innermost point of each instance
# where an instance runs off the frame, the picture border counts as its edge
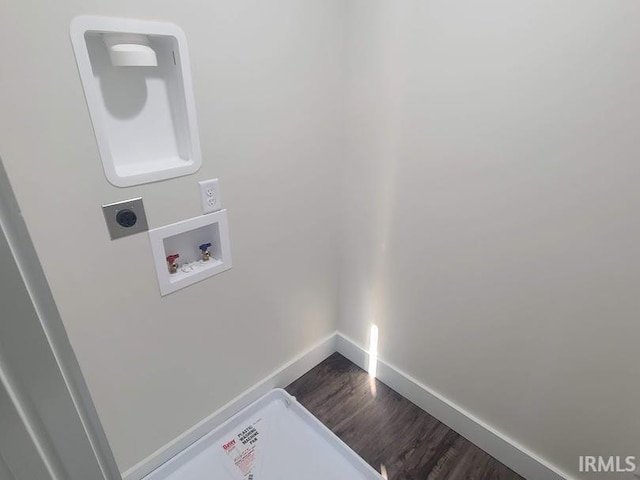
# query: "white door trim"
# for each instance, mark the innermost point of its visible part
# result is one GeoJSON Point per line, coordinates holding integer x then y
{"type": "Point", "coordinates": [32, 318]}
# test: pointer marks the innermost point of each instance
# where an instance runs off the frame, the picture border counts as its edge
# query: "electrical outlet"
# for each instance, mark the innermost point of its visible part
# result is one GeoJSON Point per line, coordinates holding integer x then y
{"type": "Point", "coordinates": [210, 195]}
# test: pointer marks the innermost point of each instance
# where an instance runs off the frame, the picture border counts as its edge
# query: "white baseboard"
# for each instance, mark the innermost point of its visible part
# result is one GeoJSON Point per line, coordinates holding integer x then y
{"type": "Point", "coordinates": [505, 450]}
{"type": "Point", "coordinates": [501, 447]}
{"type": "Point", "coordinates": [280, 378]}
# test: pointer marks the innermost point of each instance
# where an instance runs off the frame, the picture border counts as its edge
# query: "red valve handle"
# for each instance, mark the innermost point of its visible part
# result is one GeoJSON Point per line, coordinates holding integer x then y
{"type": "Point", "coordinates": [171, 258]}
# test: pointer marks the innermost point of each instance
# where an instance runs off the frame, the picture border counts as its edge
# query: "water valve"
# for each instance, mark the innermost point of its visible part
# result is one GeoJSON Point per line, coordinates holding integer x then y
{"type": "Point", "coordinates": [171, 261]}
{"type": "Point", "coordinates": [206, 256]}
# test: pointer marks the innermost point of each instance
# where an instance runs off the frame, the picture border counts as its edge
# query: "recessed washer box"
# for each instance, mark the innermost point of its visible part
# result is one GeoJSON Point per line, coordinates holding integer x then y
{"type": "Point", "coordinates": [137, 83]}
{"type": "Point", "coordinates": [184, 239]}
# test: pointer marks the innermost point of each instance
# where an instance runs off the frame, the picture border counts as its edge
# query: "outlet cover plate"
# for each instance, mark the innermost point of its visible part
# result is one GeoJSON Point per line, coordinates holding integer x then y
{"type": "Point", "coordinates": [210, 195]}
{"type": "Point", "coordinates": [122, 211]}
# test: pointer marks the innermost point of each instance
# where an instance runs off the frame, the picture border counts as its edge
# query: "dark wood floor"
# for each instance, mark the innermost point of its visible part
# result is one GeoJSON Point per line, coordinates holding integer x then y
{"type": "Point", "coordinates": [387, 430]}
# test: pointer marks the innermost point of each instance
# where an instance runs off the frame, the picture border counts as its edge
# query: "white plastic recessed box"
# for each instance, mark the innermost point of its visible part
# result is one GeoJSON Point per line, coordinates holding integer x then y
{"type": "Point", "coordinates": [137, 82]}
{"type": "Point", "coordinates": [184, 238]}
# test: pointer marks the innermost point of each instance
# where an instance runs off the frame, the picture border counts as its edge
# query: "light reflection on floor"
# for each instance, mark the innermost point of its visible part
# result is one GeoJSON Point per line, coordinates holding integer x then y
{"type": "Point", "coordinates": [373, 358]}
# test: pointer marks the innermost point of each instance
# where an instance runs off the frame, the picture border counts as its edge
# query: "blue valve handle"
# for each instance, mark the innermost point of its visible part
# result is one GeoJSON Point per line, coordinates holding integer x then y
{"type": "Point", "coordinates": [205, 246]}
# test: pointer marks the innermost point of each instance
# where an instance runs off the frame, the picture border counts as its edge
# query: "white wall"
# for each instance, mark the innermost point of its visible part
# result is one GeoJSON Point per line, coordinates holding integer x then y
{"type": "Point", "coordinates": [489, 194]}
{"type": "Point", "coordinates": [492, 226]}
{"type": "Point", "coordinates": [268, 80]}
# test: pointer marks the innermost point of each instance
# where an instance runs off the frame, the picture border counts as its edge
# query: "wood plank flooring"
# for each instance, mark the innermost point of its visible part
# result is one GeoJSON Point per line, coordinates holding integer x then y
{"type": "Point", "coordinates": [388, 431]}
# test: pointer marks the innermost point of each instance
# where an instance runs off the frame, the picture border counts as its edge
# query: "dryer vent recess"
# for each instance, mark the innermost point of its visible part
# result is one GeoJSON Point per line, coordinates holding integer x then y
{"type": "Point", "coordinates": [137, 82]}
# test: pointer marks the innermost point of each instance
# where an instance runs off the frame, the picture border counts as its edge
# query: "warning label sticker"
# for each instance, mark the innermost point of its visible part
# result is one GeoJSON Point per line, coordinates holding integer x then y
{"type": "Point", "coordinates": [243, 450]}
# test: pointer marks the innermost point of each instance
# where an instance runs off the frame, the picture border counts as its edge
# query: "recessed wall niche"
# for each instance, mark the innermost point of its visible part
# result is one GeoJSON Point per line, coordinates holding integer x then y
{"type": "Point", "coordinates": [137, 83]}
